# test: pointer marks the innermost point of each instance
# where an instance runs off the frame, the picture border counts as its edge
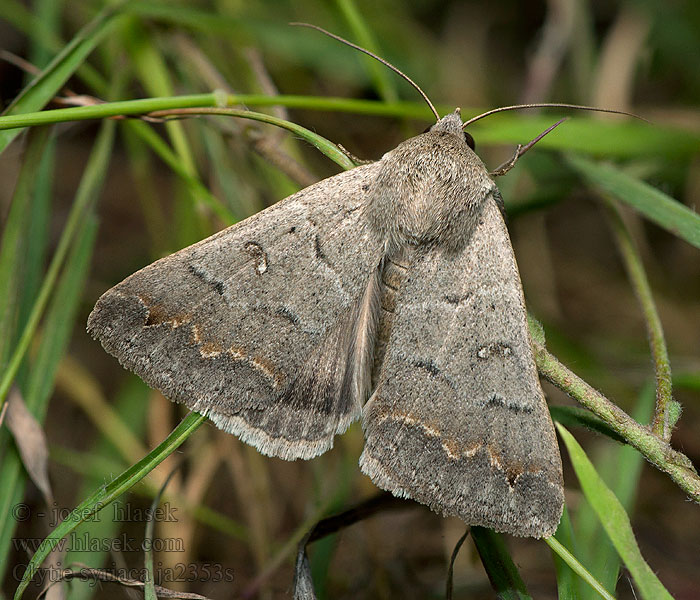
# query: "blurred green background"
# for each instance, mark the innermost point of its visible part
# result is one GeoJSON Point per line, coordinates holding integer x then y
{"type": "Point", "coordinates": [241, 513]}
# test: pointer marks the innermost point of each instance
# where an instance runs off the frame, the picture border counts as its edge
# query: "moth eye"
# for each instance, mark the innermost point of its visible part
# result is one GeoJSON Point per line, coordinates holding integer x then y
{"type": "Point", "coordinates": [427, 129]}
{"type": "Point", "coordinates": [470, 140]}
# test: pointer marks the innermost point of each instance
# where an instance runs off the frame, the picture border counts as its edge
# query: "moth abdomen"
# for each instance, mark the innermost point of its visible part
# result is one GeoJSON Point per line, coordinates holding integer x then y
{"type": "Point", "coordinates": [393, 272]}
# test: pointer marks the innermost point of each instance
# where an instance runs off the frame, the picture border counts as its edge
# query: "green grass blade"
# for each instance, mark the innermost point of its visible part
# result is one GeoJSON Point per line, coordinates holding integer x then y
{"type": "Point", "coordinates": [12, 476]}
{"type": "Point", "coordinates": [46, 24]}
{"type": "Point", "coordinates": [620, 467]}
{"type": "Point", "coordinates": [650, 202]}
{"type": "Point", "coordinates": [106, 495]}
{"type": "Point", "coordinates": [614, 519]}
{"type": "Point", "coordinates": [51, 79]}
{"type": "Point", "coordinates": [567, 580]}
{"type": "Point", "coordinates": [499, 566]}
{"type": "Point", "coordinates": [60, 316]}
{"type": "Point", "coordinates": [155, 77]}
{"type": "Point", "coordinates": [575, 416]}
{"type": "Point", "coordinates": [577, 568]}
{"type": "Point", "coordinates": [85, 197]}
{"type": "Point", "coordinates": [149, 590]}
{"type": "Point", "coordinates": [54, 341]}
{"type": "Point", "coordinates": [611, 139]}
{"type": "Point", "coordinates": [664, 141]}
{"type": "Point", "coordinates": [320, 143]}
{"type": "Point", "coordinates": [200, 104]}
{"type": "Point", "coordinates": [363, 37]}
{"type": "Point", "coordinates": [149, 136]}
{"type": "Point", "coordinates": [39, 235]}
{"type": "Point", "coordinates": [16, 254]}
{"type": "Point", "coordinates": [131, 403]}
{"type": "Point", "coordinates": [658, 141]}
{"type": "Point", "coordinates": [15, 239]}
{"type": "Point", "coordinates": [145, 105]}
{"type": "Point", "coordinates": [76, 243]}
{"type": "Point", "coordinates": [28, 22]}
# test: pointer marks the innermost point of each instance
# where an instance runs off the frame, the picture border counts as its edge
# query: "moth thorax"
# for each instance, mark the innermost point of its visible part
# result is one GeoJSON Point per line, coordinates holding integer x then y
{"type": "Point", "coordinates": [429, 192]}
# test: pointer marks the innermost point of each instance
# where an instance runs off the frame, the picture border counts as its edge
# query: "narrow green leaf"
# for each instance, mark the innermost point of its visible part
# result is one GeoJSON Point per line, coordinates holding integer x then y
{"type": "Point", "coordinates": [85, 197]}
{"type": "Point", "coordinates": [16, 255]}
{"type": "Point", "coordinates": [46, 24]}
{"type": "Point", "coordinates": [499, 566]}
{"type": "Point", "coordinates": [76, 247]}
{"type": "Point", "coordinates": [650, 202]}
{"type": "Point", "coordinates": [59, 325]}
{"type": "Point", "coordinates": [620, 467]}
{"type": "Point", "coordinates": [619, 138]}
{"type": "Point", "coordinates": [149, 590]}
{"type": "Point", "coordinates": [38, 244]}
{"type": "Point", "coordinates": [47, 83]}
{"type": "Point", "coordinates": [200, 104]}
{"type": "Point", "coordinates": [575, 416]}
{"type": "Point", "coordinates": [504, 130]}
{"type": "Point", "coordinates": [320, 143]}
{"type": "Point", "coordinates": [363, 37]}
{"type": "Point", "coordinates": [15, 239]}
{"type": "Point", "coordinates": [567, 580]}
{"type": "Point", "coordinates": [614, 519]}
{"type": "Point", "coordinates": [131, 403]}
{"type": "Point", "coordinates": [148, 135]}
{"type": "Point", "coordinates": [578, 568]}
{"type": "Point", "coordinates": [155, 77]}
{"type": "Point", "coordinates": [106, 495]}
{"type": "Point", "coordinates": [61, 313]}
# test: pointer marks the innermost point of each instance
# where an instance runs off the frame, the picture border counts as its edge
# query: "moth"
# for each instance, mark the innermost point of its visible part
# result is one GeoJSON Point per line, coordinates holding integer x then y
{"type": "Point", "coordinates": [388, 293]}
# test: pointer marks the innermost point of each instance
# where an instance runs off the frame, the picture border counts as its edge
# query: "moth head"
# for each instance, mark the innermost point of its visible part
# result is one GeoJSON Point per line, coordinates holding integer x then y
{"type": "Point", "coordinates": [452, 123]}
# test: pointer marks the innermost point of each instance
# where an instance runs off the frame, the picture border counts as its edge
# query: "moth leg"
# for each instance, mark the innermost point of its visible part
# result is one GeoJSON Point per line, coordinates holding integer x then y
{"type": "Point", "coordinates": [357, 160]}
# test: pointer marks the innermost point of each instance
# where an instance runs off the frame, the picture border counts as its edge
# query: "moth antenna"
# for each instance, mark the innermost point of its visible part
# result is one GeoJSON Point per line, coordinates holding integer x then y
{"type": "Point", "coordinates": [551, 105]}
{"type": "Point", "coordinates": [375, 57]}
{"type": "Point", "coordinates": [520, 150]}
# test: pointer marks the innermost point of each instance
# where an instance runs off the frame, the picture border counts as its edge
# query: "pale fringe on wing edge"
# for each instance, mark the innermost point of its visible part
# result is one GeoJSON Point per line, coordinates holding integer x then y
{"type": "Point", "coordinates": [278, 447]}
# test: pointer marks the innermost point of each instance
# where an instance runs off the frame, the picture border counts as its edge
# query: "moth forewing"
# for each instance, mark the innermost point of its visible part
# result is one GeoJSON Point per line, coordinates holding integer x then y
{"type": "Point", "coordinates": [458, 420]}
{"type": "Point", "coordinates": [255, 326]}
